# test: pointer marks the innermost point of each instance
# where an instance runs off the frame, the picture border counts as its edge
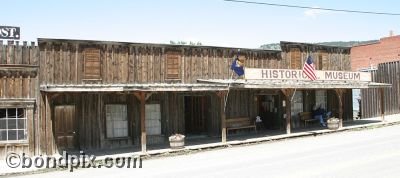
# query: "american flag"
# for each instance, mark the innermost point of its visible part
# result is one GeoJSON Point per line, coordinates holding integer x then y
{"type": "Point", "coordinates": [309, 69]}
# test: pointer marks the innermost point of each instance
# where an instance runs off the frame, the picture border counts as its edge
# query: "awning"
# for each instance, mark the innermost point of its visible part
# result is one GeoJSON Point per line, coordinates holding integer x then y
{"type": "Point", "coordinates": [299, 84]}
{"type": "Point", "coordinates": [153, 87]}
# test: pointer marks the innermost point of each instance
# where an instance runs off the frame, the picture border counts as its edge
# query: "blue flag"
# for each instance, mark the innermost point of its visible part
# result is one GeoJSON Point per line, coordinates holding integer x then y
{"type": "Point", "coordinates": [237, 66]}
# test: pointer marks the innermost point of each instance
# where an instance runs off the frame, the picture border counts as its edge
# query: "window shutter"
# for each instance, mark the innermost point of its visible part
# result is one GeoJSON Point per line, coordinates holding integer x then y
{"type": "Point", "coordinates": [322, 60]}
{"type": "Point", "coordinates": [92, 68]}
{"type": "Point", "coordinates": [295, 62]}
{"type": "Point", "coordinates": [173, 65]}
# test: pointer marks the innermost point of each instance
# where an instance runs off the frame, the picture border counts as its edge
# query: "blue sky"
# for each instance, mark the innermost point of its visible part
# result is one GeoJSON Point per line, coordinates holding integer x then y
{"type": "Point", "coordinates": [212, 22]}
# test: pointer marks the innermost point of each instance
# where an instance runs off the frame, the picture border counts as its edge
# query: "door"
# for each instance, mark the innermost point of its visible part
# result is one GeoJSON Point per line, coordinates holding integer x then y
{"type": "Point", "coordinates": [268, 110]}
{"type": "Point", "coordinates": [65, 128]}
{"type": "Point", "coordinates": [196, 114]}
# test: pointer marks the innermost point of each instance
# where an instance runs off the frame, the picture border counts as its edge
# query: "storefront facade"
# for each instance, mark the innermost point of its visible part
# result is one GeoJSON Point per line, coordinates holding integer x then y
{"type": "Point", "coordinates": [97, 95]}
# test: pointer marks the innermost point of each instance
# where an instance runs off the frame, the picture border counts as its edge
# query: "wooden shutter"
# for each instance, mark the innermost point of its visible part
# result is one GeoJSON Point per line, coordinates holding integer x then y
{"type": "Point", "coordinates": [322, 60]}
{"type": "Point", "coordinates": [92, 69]}
{"type": "Point", "coordinates": [295, 62]}
{"type": "Point", "coordinates": [173, 65]}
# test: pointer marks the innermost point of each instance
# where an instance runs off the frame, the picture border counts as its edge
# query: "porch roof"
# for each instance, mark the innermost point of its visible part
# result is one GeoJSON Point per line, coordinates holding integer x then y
{"type": "Point", "coordinates": [299, 84]}
{"type": "Point", "coordinates": [132, 87]}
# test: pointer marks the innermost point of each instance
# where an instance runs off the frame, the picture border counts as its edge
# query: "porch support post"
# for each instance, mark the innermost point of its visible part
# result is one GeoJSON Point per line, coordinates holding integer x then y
{"type": "Point", "coordinates": [48, 125]}
{"type": "Point", "coordinates": [339, 94]}
{"type": "Point", "coordinates": [382, 93]}
{"type": "Point", "coordinates": [221, 95]}
{"type": "Point", "coordinates": [142, 98]}
{"type": "Point", "coordinates": [288, 94]}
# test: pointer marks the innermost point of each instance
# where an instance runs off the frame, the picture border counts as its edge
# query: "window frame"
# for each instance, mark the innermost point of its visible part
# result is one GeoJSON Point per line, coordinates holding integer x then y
{"type": "Point", "coordinates": [147, 119]}
{"type": "Point", "coordinates": [113, 128]}
{"type": "Point", "coordinates": [16, 118]}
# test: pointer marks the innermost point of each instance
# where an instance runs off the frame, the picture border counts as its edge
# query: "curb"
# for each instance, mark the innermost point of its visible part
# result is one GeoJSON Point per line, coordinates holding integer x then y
{"type": "Point", "coordinates": [214, 146]}
{"type": "Point", "coordinates": [186, 150]}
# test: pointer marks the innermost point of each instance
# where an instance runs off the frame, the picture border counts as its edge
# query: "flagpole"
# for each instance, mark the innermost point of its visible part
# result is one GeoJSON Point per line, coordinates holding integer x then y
{"type": "Point", "coordinates": [229, 84]}
{"type": "Point", "coordinates": [227, 94]}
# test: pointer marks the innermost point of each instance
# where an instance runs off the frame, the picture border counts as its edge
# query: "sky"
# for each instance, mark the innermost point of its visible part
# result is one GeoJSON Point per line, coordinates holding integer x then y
{"type": "Point", "coordinates": [211, 22]}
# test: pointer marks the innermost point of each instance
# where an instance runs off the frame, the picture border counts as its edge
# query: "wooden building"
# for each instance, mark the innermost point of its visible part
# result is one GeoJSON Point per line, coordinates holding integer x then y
{"type": "Point", "coordinates": [97, 95]}
{"type": "Point", "coordinates": [372, 102]}
{"type": "Point", "coordinates": [19, 90]}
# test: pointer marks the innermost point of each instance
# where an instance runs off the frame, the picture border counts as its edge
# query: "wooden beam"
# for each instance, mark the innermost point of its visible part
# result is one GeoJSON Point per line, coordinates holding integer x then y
{"type": "Point", "coordinates": [137, 95]}
{"type": "Point", "coordinates": [48, 125]}
{"type": "Point", "coordinates": [222, 95]}
{"type": "Point", "coordinates": [143, 121]}
{"type": "Point", "coordinates": [30, 127]}
{"type": "Point", "coordinates": [288, 93]}
{"type": "Point", "coordinates": [382, 93]}
{"type": "Point", "coordinates": [148, 95]}
{"type": "Point", "coordinates": [339, 94]}
{"type": "Point", "coordinates": [99, 105]}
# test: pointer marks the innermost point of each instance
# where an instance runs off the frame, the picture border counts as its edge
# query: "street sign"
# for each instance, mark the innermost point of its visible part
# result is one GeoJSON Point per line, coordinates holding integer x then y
{"type": "Point", "coordinates": [8, 32]}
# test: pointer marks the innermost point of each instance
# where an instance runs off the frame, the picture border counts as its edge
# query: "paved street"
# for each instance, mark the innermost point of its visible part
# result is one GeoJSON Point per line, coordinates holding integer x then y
{"type": "Point", "coordinates": [367, 153]}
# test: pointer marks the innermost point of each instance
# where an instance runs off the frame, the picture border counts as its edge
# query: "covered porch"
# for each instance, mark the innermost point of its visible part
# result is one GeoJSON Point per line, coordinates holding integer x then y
{"type": "Point", "coordinates": [172, 100]}
{"type": "Point", "coordinates": [201, 144]}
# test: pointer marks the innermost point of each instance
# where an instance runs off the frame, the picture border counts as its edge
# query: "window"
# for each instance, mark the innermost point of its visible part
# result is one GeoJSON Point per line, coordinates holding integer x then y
{"type": "Point", "coordinates": [116, 121]}
{"type": "Point", "coordinates": [173, 65]}
{"type": "Point", "coordinates": [12, 124]}
{"type": "Point", "coordinates": [153, 119]}
{"type": "Point", "coordinates": [92, 70]}
{"type": "Point", "coordinates": [296, 107]}
{"type": "Point", "coordinates": [320, 98]}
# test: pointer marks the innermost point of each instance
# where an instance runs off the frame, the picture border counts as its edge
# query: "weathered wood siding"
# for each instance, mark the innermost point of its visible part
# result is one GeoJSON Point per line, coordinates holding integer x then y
{"type": "Point", "coordinates": [333, 60]}
{"type": "Point", "coordinates": [63, 61]}
{"type": "Point", "coordinates": [121, 63]}
{"type": "Point", "coordinates": [371, 99]}
{"type": "Point", "coordinates": [19, 89]}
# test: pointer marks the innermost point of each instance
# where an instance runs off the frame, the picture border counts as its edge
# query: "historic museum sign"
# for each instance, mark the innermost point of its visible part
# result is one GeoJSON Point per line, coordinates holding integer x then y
{"type": "Point", "coordinates": [289, 74]}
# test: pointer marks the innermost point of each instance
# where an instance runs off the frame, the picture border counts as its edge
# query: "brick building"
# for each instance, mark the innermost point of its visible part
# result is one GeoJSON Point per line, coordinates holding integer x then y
{"type": "Point", "coordinates": [387, 49]}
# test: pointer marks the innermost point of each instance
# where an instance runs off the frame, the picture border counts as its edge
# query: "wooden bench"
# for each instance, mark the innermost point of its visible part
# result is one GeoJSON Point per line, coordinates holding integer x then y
{"type": "Point", "coordinates": [240, 123]}
{"type": "Point", "coordinates": [306, 117]}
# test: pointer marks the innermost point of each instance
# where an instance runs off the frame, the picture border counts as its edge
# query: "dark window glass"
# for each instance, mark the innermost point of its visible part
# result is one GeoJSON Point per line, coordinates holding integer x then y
{"type": "Point", "coordinates": [12, 123]}
{"type": "Point", "coordinates": [20, 113]}
{"type": "Point", "coordinates": [12, 113]}
{"type": "Point", "coordinates": [21, 135]}
{"type": "Point", "coordinates": [12, 135]}
{"type": "Point", "coordinates": [3, 123]}
{"type": "Point", "coordinates": [3, 135]}
{"type": "Point", "coordinates": [21, 123]}
{"type": "Point", "coordinates": [3, 113]}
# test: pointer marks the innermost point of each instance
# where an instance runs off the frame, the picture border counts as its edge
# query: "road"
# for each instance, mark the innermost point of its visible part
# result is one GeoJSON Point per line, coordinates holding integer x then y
{"type": "Point", "coordinates": [367, 153]}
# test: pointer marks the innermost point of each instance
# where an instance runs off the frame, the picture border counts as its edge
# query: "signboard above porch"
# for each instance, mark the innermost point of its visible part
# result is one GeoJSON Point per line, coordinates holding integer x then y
{"type": "Point", "coordinates": [290, 74]}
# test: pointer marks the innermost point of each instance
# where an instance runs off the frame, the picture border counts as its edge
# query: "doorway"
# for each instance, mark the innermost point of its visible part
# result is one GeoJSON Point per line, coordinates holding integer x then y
{"type": "Point", "coordinates": [269, 110]}
{"type": "Point", "coordinates": [196, 114]}
{"type": "Point", "coordinates": [65, 127]}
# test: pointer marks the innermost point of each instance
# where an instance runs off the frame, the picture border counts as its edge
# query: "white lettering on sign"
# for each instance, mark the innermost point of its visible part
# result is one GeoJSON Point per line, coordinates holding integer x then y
{"type": "Point", "coordinates": [7, 32]}
{"type": "Point", "coordinates": [289, 74]}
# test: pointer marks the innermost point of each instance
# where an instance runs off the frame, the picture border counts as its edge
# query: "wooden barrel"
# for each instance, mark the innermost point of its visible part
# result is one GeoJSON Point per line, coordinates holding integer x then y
{"type": "Point", "coordinates": [333, 123]}
{"type": "Point", "coordinates": [177, 141]}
